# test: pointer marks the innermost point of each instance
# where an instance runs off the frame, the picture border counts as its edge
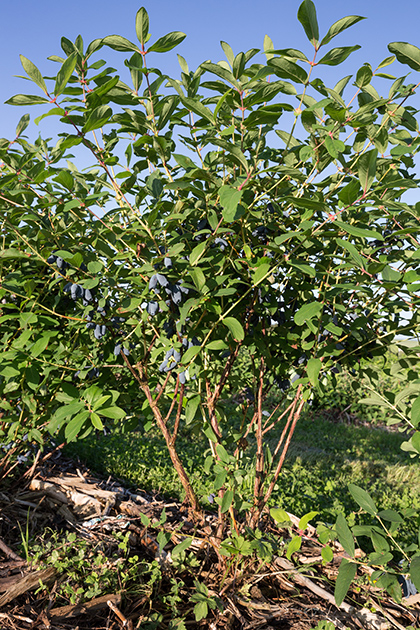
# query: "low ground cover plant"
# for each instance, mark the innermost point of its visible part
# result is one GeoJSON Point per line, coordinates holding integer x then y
{"type": "Point", "coordinates": [138, 286]}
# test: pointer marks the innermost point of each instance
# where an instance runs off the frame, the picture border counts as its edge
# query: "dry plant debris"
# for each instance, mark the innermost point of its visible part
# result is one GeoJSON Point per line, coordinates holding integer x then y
{"type": "Point", "coordinates": [63, 496]}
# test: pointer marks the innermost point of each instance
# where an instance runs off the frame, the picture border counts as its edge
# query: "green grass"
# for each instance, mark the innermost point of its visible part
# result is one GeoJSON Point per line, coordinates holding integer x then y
{"type": "Point", "coordinates": [323, 458]}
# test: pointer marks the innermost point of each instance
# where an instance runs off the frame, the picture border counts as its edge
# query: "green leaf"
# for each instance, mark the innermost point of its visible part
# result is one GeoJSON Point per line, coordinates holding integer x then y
{"type": "Point", "coordinates": [345, 577]}
{"type": "Point", "coordinates": [415, 441]}
{"type": "Point", "coordinates": [367, 169]}
{"type": "Point", "coordinates": [12, 254]}
{"type": "Point", "coordinates": [97, 118]}
{"type": "Point", "coordinates": [221, 72]}
{"type": "Point", "coordinates": [364, 75]}
{"type": "Point", "coordinates": [184, 161]}
{"type": "Point", "coordinates": [286, 69]}
{"type": "Point", "coordinates": [415, 571]}
{"type": "Point", "coordinates": [293, 546]}
{"type": "Point", "coordinates": [307, 17]}
{"type": "Point", "coordinates": [229, 200]}
{"type": "Point", "coordinates": [235, 328]}
{"type": "Point", "coordinates": [352, 251]}
{"type": "Point", "coordinates": [181, 547]}
{"type": "Point", "coordinates": [312, 369]}
{"type": "Point", "coordinates": [217, 344]}
{"type": "Point", "coordinates": [96, 421]}
{"type": "Point", "coordinates": [363, 499]}
{"type": "Point", "coordinates": [142, 25]}
{"type": "Point", "coordinates": [57, 111]}
{"type": "Point", "coordinates": [390, 275]}
{"type": "Point", "coordinates": [198, 278]}
{"type": "Point", "coordinates": [238, 65]}
{"type": "Point", "coordinates": [268, 45]}
{"type": "Point", "coordinates": [167, 42]}
{"type": "Point", "coordinates": [201, 610]}
{"type": "Point", "coordinates": [33, 73]}
{"type": "Point", "coordinates": [386, 62]}
{"type": "Point", "coordinates": [287, 138]}
{"type": "Point", "coordinates": [116, 413]}
{"type": "Point", "coordinates": [375, 399]}
{"type": "Point", "coordinates": [303, 523]}
{"type": "Point", "coordinates": [40, 345]}
{"type": "Point", "coordinates": [67, 411]}
{"type": "Point", "coordinates": [344, 535]}
{"type": "Point", "coordinates": [327, 554]}
{"type": "Point", "coordinates": [260, 273]}
{"type": "Point", "coordinates": [391, 515]}
{"type": "Point", "coordinates": [26, 99]}
{"type": "Point", "coordinates": [304, 202]}
{"type": "Point", "coordinates": [223, 454]}
{"type": "Point", "coordinates": [279, 515]}
{"type": "Point", "coordinates": [75, 425]}
{"type": "Point", "coordinates": [334, 146]}
{"type": "Point", "coordinates": [406, 54]}
{"type": "Point", "coordinates": [291, 53]}
{"type": "Point", "coordinates": [340, 26]}
{"type": "Point", "coordinates": [22, 125]}
{"type": "Point", "coordinates": [228, 52]}
{"type": "Point", "coordinates": [116, 42]}
{"type": "Point", "coordinates": [197, 252]}
{"type": "Point", "coordinates": [190, 354]}
{"type": "Point", "coordinates": [65, 179]}
{"type": "Point", "coordinates": [337, 55]}
{"type": "Point", "coordinates": [350, 192]}
{"type": "Point", "coordinates": [415, 412]}
{"type": "Point", "coordinates": [65, 73]}
{"type": "Point", "coordinates": [226, 501]}
{"type": "Point", "coordinates": [356, 231]}
{"type": "Point", "coordinates": [234, 151]}
{"type": "Point", "coordinates": [198, 108]}
{"type": "Point", "coordinates": [182, 62]}
{"type": "Point", "coordinates": [339, 87]}
{"type": "Point", "coordinates": [307, 312]}
{"type": "Point", "coordinates": [191, 408]}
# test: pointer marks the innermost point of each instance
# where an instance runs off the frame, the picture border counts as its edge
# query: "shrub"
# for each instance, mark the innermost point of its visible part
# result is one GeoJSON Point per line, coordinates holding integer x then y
{"type": "Point", "coordinates": [195, 242]}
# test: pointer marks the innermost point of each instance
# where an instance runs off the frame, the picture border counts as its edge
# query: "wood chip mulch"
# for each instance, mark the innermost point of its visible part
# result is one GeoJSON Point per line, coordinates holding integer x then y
{"type": "Point", "coordinates": [61, 495]}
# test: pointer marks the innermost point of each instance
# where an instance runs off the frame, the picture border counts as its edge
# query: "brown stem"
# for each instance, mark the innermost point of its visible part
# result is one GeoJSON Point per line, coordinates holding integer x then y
{"type": "Point", "coordinates": [281, 416]}
{"type": "Point", "coordinates": [259, 507]}
{"type": "Point", "coordinates": [162, 387]}
{"type": "Point", "coordinates": [259, 466]}
{"type": "Point", "coordinates": [283, 455]}
{"type": "Point", "coordinates": [283, 433]}
{"type": "Point", "coordinates": [168, 415]}
{"type": "Point", "coordinates": [178, 415]}
{"type": "Point", "coordinates": [212, 412]}
{"type": "Point", "coordinates": [186, 484]}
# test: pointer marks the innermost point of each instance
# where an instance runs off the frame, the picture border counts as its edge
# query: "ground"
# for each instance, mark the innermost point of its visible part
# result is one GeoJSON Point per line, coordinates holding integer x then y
{"type": "Point", "coordinates": [107, 558]}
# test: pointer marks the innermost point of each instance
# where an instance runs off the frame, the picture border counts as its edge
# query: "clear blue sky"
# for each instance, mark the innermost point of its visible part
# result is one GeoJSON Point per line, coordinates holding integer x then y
{"type": "Point", "coordinates": [34, 29]}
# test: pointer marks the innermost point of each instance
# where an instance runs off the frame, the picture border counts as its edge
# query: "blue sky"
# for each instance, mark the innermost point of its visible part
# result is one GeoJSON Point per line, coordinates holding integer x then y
{"type": "Point", "coordinates": [34, 29]}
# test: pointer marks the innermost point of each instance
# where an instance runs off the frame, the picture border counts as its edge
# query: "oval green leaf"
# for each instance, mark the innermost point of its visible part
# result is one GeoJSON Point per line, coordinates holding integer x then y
{"type": "Point", "coordinates": [33, 73]}
{"type": "Point", "coordinates": [235, 328]}
{"type": "Point", "coordinates": [97, 118]}
{"type": "Point", "coordinates": [345, 577]}
{"type": "Point", "coordinates": [167, 42]}
{"type": "Point", "coordinates": [65, 73]}
{"type": "Point", "coordinates": [307, 312]}
{"type": "Point", "coordinates": [307, 17]}
{"type": "Point", "coordinates": [407, 54]}
{"type": "Point", "coordinates": [344, 535]}
{"type": "Point", "coordinates": [337, 55]}
{"type": "Point", "coordinates": [363, 499]}
{"type": "Point", "coordinates": [142, 25]}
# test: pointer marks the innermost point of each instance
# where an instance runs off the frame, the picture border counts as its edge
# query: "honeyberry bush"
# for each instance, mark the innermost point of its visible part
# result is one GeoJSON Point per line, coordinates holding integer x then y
{"type": "Point", "coordinates": [205, 236]}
